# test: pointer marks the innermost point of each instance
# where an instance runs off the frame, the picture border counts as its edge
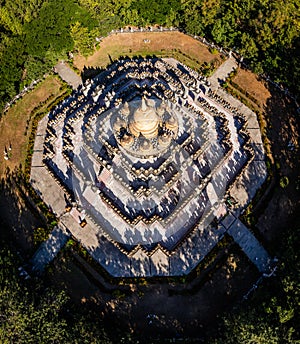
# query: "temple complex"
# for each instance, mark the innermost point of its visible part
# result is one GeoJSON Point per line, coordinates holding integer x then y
{"type": "Point", "coordinates": [150, 168]}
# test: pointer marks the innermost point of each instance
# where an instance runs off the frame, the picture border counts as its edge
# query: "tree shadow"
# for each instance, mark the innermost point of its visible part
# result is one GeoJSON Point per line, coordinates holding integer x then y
{"type": "Point", "coordinates": [18, 211]}
{"type": "Point", "coordinates": [279, 204]}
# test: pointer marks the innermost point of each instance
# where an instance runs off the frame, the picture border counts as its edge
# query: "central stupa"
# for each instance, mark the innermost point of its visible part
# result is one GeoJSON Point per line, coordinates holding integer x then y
{"type": "Point", "coordinates": [145, 121]}
{"type": "Point", "coordinates": [145, 127]}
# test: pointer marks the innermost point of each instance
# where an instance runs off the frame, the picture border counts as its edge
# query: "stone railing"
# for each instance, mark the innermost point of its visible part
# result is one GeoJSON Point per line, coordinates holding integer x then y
{"type": "Point", "coordinates": [25, 90]}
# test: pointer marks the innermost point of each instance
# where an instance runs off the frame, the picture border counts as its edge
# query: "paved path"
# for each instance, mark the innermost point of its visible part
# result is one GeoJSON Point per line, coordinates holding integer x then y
{"type": "Point", "coordinates": [49, 249]}
{"type": "Point", "coordinates": [248, 243]}
{"type": "Point", "coordinates": [54, 194]}
{"type": "Point", "coordinates": [222, 72]}
{"type": "Point", "coordinates": [68, 75]}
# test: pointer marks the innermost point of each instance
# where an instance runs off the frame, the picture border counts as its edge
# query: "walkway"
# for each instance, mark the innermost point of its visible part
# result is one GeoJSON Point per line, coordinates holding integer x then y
{"type": "Point", "coordinates": [222, 72]}
{"type": "Point", "coordinates": [49, 249]}
{"type": "Point", "coordinates": [54, 194]}
{"type": "Point", "coordinates": [248, 243]}
{"type": "Point", "coordinates": [68, 75]}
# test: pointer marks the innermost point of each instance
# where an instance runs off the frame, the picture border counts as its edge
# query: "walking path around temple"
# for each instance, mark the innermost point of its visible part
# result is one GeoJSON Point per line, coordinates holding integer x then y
{"type": "Point", "coordinates": [68, 75]}
{"type": "Point", "coordinates": [222, 72]}
{"type": "Point", "coordinates": [54, 194]}
{"type": "Point", "coordinates": [248, 243]}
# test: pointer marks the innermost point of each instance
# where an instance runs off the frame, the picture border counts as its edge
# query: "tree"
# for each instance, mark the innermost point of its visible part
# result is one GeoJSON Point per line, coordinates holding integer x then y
{"type": "Point", "coordinates": [273, 315]}
{"type": "Point", "coordinates": [248, 46]}
{"type": "Point", "coordinates": [31, 312]}
{"type": "Point", "coordinates": [83, 39]}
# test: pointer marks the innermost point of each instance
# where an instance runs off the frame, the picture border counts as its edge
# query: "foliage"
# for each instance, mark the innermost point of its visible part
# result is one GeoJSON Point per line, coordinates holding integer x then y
{"type": "Point", "coordinates": [284, 182]}
{"type": "Point", "coordinates": [40, 235]}
{"type": "Point", "coordinates": [35, 33]}
{"type": "Point", "coordinates": [33, 313]}
{"type": "Point", "coordinates": [273, 314]}
{"type": "Point", "coordinates": [83, 39]}
{"type": "Point", "coordinates": [155, 12]}
{"type": "Point", "coordinates": [265, 32]}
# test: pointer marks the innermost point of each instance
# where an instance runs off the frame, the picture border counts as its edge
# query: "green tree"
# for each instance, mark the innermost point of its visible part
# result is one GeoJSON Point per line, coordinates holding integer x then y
{"type": "Point", "coordinates": [273, 314]}
{"type": "Point", "coordinates": [30, 312]}
{"type": "Point", "coordinates": [83, 39]}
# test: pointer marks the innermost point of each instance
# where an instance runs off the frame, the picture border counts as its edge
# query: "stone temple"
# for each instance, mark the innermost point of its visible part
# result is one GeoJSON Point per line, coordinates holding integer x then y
{"type": "Point", "coordinates": [148, 167]}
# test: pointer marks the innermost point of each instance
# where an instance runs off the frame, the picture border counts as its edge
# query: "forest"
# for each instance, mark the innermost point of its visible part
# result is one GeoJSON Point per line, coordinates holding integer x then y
{"type": "Point", "coordinates": [34, 34]}
{"type": "Point", "coordinates": [31, 311]}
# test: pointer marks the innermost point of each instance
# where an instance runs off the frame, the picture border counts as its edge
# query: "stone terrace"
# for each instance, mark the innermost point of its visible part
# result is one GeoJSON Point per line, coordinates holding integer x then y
{"type": "Point", "coordinates": [88, 179]}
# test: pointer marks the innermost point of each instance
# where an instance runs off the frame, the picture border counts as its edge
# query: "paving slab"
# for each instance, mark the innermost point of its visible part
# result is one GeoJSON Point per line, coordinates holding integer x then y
{"type": "Point", "coordinates": [259, 151]}
{"type": "Point", "coordinates": [228, 220]}
{"type": "Point", "coordinates": [245, 188]}
{"type": "Point", "coordinates": [252, 122]}
{"type": "Point", "coordinates": [49, 249]}
{"type": "Point", "coordinates": [251, 246]}
{"type": "Point", "coordinates": [255, 135]}
{"type": "Point", "coordinates": [140, 264]}
{"type": "Point", "coordinates": [159, 263]}
{"type": "Point", "coordinates": [68, 75]}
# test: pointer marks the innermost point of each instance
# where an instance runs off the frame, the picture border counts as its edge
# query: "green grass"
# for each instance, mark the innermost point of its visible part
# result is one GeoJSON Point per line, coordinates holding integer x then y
{"type": "Point", "coordinates": [16, 123]}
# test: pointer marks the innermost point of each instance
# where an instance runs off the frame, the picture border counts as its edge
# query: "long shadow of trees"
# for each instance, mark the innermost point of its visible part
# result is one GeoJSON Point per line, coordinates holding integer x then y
{"type": "Point", "coordinates": [23, 299]}
{"type": "Point", "coordinates": [272, 314]}
{"type": "Point", "coordinates": [17, 213]}
{"type": "Point", "coordinates": [283, 131]}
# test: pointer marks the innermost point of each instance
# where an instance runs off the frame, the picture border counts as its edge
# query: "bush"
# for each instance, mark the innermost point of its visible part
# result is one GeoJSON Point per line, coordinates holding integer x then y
{"type": "Point", "coordinates": [214, 51]}
{"type": "Point", "coordinates": [118, 294]}
{"type": "Point", "coordinates": [40, 234]}
{"type": "Point", "coordinates": [284, 182]}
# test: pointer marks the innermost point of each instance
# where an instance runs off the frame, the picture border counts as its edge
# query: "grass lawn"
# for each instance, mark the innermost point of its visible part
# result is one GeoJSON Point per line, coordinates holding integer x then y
{"type": "Point", "coordinates": [250, 82]}
{"type": "Point", "coordinates": [257, 90]}
{"type": "Point", "coordinates": [14, 122]}
{"type": "Point", "coordinates": [143, 43]}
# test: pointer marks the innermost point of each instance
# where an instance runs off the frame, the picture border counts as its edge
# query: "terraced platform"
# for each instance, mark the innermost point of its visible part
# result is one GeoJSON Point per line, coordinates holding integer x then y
{"type": "Point", "coordinates": [144, 162]}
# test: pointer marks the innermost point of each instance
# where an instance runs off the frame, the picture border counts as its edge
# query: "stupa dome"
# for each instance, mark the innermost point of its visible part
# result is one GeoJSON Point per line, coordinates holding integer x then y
{"type": "Point", "coordinates": [146, 146]}
{"type": "Point", "coordinates": [119, 123]}
{"type": "Point", "coordinates": [127, 140]}
{"type": "Point", "coordinates": [148, 126]}
{"type": "Point", "coordinates": [125, 111]}
{"type": "Point", "coordinates": [164, 140]}
{"type": "Point", "coordinates": [145, 121]}
{"type": "Point", "coordinates": [172, 124]}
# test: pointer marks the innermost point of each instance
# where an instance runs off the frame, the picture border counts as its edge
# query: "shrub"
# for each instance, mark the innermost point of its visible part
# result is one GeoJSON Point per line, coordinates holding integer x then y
{"type": "Point", "coordinates": [284, 182]}
{"type": "Point", "coordinates": [118, 294]}
{"type": "Point", "coordinates": [40, 234]}
{"type": "Point", "coordinates": [213, 51]}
